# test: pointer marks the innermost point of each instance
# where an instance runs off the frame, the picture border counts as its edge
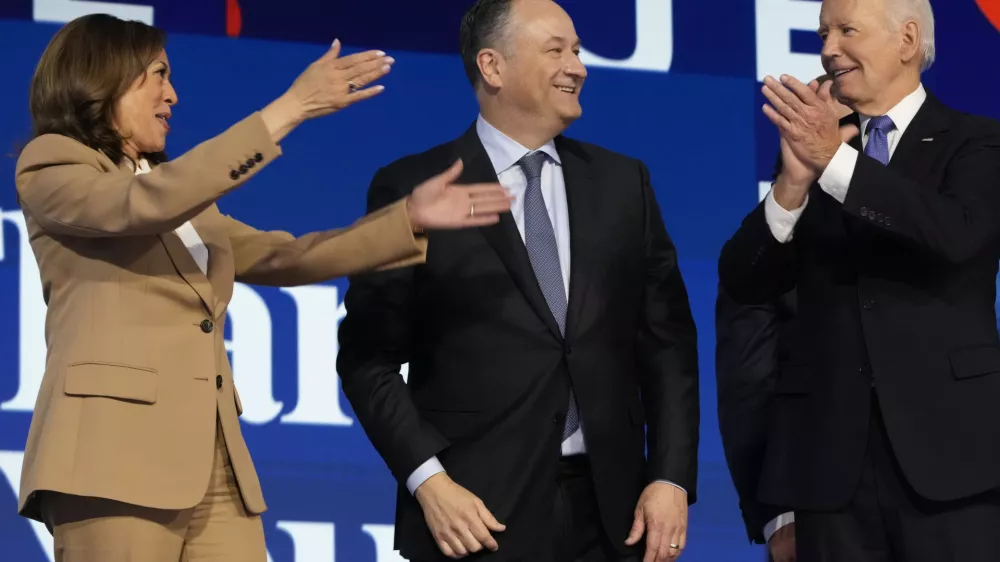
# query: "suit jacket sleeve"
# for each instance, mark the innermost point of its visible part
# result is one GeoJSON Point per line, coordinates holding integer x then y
{"type": "Point", "coordinates": [955, 221]}
{"type": "Point", "coordinates": [375, 341]}
{"type": "Point", "coordinates": [746, 370]}
{"type": "Point", "coordinates": [73, 190]}
{"type": "Point", "coordinates": [754, 267]}
{"type": "Point", "coordinates": [668, 357]}
{"type": "Point", "coordinates": [383, 239]}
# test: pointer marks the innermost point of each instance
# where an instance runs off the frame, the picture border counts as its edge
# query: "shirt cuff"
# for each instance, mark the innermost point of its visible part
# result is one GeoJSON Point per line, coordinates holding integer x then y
{"type": "Point", "coordinates": [681, 488]}
{"type": "Point", "coordinates": [777, 523]}
{"type": "Point", "coordinates": [780, 220]}
{"type": "Point", "coordinates": [431, 467]}
{"type": "Point", "coordinates": [836, 179]}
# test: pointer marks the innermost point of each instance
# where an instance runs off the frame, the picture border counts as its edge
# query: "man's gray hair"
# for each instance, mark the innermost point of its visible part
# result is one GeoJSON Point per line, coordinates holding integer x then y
{"type": "Point", "coordinates": [899, 11]}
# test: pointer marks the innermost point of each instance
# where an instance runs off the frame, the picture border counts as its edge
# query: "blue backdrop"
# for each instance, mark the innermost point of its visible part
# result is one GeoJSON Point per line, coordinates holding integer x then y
{"type": "Point", "coordinates": [667, 77]}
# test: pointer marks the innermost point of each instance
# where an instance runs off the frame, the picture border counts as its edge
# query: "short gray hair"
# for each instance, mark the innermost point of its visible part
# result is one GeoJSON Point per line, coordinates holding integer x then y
{"type": "Point", "coordinates": [899, 11]}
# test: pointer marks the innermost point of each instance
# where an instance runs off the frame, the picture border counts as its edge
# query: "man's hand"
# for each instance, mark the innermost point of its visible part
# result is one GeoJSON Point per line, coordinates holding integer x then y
{"type": "Point", "coordinates": [782, 544]}
{"type": "Point", "coordinates": [792, 185]}
{"type": "Point", "coordinates": [458, 520]}
{"type": "Point", "coordinates": [807, 120]}
{"type": "Point", "coordinates": [662, 514]}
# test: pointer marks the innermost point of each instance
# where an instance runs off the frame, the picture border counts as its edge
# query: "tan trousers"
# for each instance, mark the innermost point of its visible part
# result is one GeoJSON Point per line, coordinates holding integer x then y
{"type": "Point", "coordinates": [216, 530]}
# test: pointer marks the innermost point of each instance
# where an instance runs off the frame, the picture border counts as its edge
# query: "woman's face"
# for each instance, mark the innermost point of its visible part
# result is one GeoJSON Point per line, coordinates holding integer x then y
{"type": "Point", "coordinates": [143, 113]}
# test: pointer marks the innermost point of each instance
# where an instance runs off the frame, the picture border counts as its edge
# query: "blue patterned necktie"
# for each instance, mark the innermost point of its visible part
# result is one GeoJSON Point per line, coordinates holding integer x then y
{"type": "Point", "coordinates": [543, 252]}
{"type": "Point", "coordinates": [878, 138]}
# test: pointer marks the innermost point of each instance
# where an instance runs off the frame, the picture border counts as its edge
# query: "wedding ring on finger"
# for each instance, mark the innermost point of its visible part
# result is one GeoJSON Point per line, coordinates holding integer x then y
{"type": "Point", "coordinates": [675, 546]}
{"type": "Point", "coordinates": [352, 87]}
{"type": "Point", "coordinates": [472, 210]}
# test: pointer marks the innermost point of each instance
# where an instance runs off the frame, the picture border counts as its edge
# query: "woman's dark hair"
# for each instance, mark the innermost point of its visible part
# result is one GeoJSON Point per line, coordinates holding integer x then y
{"type": "Point", "coordinates": [86, 69]}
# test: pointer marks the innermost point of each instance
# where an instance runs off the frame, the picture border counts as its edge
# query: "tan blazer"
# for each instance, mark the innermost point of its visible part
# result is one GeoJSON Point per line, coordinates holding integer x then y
{"type": "Point", "coordinates": [137, 370]}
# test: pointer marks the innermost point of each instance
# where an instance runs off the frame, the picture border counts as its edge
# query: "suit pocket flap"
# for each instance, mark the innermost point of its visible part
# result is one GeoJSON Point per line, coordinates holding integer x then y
{"type": "Point", "coordinates": [111, 380]}
{"type": "Point", "coordinates": [968, 362]}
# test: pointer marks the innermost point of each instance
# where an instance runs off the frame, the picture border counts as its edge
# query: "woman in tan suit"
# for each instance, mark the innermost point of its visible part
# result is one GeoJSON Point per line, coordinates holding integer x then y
{"type": "Point", "coordinates": [135, 451]}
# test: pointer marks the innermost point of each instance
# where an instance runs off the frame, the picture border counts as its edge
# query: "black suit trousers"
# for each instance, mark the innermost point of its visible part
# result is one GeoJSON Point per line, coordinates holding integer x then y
{"type": "Point", "coordinates": [887, 521]}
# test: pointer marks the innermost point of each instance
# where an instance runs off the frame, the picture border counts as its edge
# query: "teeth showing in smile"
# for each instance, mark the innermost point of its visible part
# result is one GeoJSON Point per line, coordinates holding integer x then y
{"type": "Point", "coordinates": [839, 73]}
{"type": "Point", "coordinates": [566, 89]}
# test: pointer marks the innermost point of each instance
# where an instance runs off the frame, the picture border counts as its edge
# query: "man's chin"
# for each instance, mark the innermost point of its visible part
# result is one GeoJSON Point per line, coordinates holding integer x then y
{"type": "Point", "coordinates": [571, 115]}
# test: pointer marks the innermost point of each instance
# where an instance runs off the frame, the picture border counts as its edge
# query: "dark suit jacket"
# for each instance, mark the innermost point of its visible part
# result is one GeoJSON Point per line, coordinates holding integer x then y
{"type": "Point", "coordinates": [489, 372]}
{"type": "Point", "coordinates": [895, 291]}
{"type": "Point", "coordinates": [753, 341]}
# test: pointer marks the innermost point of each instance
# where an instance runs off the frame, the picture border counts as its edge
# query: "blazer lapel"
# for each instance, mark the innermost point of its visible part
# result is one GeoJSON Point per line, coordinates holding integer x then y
{"type": "Point", "coordinates": [854, 119]}
{"type": "Point", "coordinates": [221, 269]}
{"type": "Point", "coordinates": [582, 197]}
{"type": "Point", "coordinates": [913, 156]}
{"type": "Point", "coordinates": [188, 269]}
{"type": "Point", "coordinates": [504, 236]}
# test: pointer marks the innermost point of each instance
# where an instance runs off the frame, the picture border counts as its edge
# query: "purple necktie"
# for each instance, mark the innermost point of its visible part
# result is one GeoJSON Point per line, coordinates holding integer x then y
{"type": "Point", "coordinates": [543, 252]}
{"type": "Point", "coordinates": [878, 138]}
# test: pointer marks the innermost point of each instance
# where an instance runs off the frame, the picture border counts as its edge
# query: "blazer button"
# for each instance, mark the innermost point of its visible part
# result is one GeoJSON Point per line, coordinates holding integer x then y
{"type": "Point", "coordinates": [234, 175]}
{"type": "Point", "coordinates": [869, 304]}
{"type": "Point", "coordinates": [251, 162]}
{"type": "Point", "coordinates": [258, 157]}
{"type": "Point", "coordinates": [218, 381]}
{"type": "Point", "coordinates": [243, 168]}
{"type": "Point", "coordinates": [887, 221]}
{"type": "Point", "coordinates": [864, 211]}
{"type": "Point", "coordinates": [207, 326]}
{"type": "Point", "coordinates": [569, 350]}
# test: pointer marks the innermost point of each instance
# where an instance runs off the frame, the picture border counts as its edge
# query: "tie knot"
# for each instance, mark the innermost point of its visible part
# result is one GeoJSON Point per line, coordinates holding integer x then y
{"type": "Point", "coordinates": [531, 164]}
{"type": "Point", "coordinates": [881, 123]}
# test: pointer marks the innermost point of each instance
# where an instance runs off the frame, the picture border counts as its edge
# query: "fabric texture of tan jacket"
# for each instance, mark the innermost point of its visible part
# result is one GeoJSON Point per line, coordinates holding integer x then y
{"type": "Point", "coordinates": [136, 371]}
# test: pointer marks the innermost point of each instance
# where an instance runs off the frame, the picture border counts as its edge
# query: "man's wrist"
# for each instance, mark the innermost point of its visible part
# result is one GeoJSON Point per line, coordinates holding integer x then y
{"type": "Point", "coordinates": [427, 486]}
{"type": "Point", "coordinates": [790, 193]}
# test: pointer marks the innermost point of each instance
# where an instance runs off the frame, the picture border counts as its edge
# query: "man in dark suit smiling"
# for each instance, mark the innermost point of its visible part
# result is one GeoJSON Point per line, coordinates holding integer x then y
{"type": "Point", "coordinates": [553, 382]}
{"type": "Point", "coordinates": [885, 435]}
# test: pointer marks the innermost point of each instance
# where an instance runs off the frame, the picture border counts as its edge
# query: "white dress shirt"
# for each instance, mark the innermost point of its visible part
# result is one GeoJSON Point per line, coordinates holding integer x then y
{"type": "Point", "coordinates": [186, 232]}
{"type": "Point", "coordinates": [836, 180]}
{"type": "Point", "coordinates": [504, 153]}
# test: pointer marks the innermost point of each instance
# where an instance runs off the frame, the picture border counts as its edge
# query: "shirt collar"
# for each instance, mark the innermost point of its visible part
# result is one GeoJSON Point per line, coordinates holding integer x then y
{"type": "Point", "coordinates": [143, 167]}
{"type": "Point", "coordinates": [504, 151]}
{"type": "Point", "coordinates": [138, 168]}
{"type": "Point", "coordinates": [904, 111]}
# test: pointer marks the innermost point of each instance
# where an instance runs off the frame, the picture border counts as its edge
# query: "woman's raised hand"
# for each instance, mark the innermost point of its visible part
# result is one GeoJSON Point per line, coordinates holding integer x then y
{"type": "Point", "coordinates": [329, 84]}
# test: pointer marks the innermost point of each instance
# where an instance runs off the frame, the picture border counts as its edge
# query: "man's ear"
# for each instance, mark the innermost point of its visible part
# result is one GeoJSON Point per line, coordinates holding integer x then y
{"type": "Point", "coordinates": [491, 64]}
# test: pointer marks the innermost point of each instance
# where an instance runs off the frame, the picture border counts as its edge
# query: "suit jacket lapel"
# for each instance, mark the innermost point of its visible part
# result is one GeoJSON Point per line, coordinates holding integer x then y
{"type": "Point", "coordinates": [188, 269]}
{"type": "Point", "coordinates": [854, 119]}
{"type": "Point", "coordinates": [504, 236]}
{"type": "Point", "coordinates": [583, 199]}
{"type": "Point", "coordinates": [179, 254]}
{"type": "Point", "coordinates": [914, 155]}
{"type": "Point", "coordinates": [221, 269]}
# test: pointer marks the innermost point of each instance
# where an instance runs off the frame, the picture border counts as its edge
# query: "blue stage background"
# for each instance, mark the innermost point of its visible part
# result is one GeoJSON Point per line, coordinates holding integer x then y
{"type": "Point", "coordinates": [689, 106]}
